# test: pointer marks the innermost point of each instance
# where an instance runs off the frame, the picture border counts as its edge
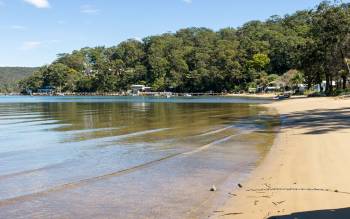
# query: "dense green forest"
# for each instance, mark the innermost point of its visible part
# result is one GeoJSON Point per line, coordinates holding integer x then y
{"type": "Point", "coordinates": [310, 45]}
{"type": "Point", "coordinates": [9, 77]}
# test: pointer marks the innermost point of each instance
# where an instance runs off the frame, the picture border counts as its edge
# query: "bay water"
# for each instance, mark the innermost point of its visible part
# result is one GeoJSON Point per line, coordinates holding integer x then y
{"type": "Point", "coordinates": [127, 157]}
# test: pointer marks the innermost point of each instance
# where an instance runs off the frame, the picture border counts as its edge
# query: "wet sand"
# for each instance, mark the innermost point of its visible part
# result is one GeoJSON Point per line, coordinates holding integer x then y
{"type": "Point", "coordinates": [306, 174]}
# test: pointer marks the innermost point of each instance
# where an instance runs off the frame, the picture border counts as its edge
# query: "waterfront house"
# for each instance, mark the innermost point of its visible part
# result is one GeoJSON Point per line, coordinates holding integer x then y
{"type": "Point", "coordinates": [136, 89]}
{"type": "Point", "coordinates": [47, 90]}
{"type": "Point", "coordinates": [273, 87]}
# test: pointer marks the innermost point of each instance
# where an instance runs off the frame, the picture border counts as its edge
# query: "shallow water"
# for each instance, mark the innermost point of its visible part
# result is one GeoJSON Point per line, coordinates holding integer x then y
{"type": "Point", "coordinates": [118, 157]}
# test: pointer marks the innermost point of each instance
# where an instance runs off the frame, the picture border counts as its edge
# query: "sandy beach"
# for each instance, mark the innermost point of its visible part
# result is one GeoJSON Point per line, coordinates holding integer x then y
{"type": "Point", "coordinates": [258, 95]}
{"type": "Point", "coordinates": [306, 173]}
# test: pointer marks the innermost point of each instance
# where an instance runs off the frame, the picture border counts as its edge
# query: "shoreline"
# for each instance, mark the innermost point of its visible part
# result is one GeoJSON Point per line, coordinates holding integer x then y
{"type": "Point", "coordinates": [305, 172]}
{"type": "Point", "coordinates": [266, 96]}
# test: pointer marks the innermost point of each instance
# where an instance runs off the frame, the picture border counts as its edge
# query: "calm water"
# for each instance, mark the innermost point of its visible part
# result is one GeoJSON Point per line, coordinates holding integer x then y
{"type": "Point", "coordinates": [113, 157]}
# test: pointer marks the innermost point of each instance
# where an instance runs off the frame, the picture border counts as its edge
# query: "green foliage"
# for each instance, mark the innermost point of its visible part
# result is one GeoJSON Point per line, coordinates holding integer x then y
{"type": "Point", "coordinates": [33, 82]}
{"type": "Point", "coordinates": [292, 78]}
{"type": "Point", "coordinates": [315, 42]}
{"type": "Point", "coordinates": [56, 75]}
{"type": "Point", "coordinates": [262, 80]}
{"type": "Point", "coordinates": [85, 84]}
{"type": "Point", "coordinates": [259, 62]}
{"type": "Point", "coordinates": [159, 84]}
{"type": "Point", "coordinates": [272, 78]}
{"type": "Point", "coordinates": [327, 45]}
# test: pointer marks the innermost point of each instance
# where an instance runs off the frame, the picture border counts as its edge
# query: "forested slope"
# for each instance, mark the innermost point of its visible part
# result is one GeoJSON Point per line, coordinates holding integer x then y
{"type": "Point", "coordinates": [9, 76]}
{"type": "Point", "coordinates": [314, 42]}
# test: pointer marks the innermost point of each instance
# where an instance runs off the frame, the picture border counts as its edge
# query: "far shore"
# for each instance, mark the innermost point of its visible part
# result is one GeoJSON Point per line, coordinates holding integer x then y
{"type": "Point", "coordinates": [242, 95]}
{"type": "Point", "coordinates": [306, 173]}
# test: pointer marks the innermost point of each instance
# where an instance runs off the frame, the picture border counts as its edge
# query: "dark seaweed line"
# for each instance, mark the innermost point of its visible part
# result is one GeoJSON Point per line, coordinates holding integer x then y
{"type": "Point", "coordinates": [297, 189]}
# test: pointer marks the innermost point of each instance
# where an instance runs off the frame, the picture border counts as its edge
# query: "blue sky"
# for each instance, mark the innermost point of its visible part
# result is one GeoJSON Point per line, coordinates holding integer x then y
{"type": "Point", "coordinates": [34, 31]}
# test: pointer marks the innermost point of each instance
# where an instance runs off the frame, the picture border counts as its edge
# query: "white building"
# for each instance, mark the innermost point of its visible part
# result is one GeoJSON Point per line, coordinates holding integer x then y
{"type": "Point", "coordinates": [136, 89]}
{"type": "Point", "coordinates": [322, 87]}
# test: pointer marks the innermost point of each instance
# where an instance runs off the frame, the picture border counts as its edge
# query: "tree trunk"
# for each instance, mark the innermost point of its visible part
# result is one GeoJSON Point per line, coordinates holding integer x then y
{"type": "Point", "coordinates": [344, 82]}
{"type": "Point", "coordinates": [330, 85]}
{"type": "Point", "coordinates": [309, 85]}
{"type": "Point", "coordinates": [327, 85]}
{"type": "Point", "coordinates": [345, 60]}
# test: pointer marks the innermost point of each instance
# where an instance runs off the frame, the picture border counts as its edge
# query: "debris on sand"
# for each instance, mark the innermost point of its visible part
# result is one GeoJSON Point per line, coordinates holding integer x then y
{"type": "Point", "coordinates": [232, 194]}
{"type": "Point", "coordinates": [278, 203]}
{"type": "Point", "coordinates": [232, 214]}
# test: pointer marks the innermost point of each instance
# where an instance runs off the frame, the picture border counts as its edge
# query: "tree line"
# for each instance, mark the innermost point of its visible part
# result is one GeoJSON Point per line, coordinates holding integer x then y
{"type": "Point", "coordinates": [314, 43]}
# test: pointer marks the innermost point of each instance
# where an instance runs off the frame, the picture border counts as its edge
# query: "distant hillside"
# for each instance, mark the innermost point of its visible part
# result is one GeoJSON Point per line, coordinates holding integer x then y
{"type": "Point", "coordinates": [10, 75]}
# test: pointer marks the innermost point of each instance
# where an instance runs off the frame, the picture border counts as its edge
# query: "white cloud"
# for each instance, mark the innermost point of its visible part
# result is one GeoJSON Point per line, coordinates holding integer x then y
{"type": "Point", "coordinates": [187, 1]}
{"type": "Point", "coordinates": [46, 44]}
{"type": "Point", "coordinates": [29, 45]}
{"type": "Point", "coordinates": [89, 9]}
{"type": "Point", "coordinates": [39, 3]}
{"type": "Point", "coordinates": [18, 27]}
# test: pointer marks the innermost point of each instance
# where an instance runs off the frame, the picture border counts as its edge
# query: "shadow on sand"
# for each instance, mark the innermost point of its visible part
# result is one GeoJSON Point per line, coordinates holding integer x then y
{"type": "Point", "coordinates": [318, 121]}
{"type": "Point", "coordinates": [315, 122]}
{"type": "Point", "coordinates": [341, 213]}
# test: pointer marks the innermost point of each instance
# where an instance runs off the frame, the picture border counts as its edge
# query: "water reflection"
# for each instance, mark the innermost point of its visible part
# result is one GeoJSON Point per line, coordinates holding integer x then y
{"type": "Point", "coordinates": [158, 158]}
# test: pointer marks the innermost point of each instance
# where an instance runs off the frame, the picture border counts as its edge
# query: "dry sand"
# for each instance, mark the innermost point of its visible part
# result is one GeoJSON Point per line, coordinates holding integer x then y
{"type": "Point", "coordinates": [307, 171]}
